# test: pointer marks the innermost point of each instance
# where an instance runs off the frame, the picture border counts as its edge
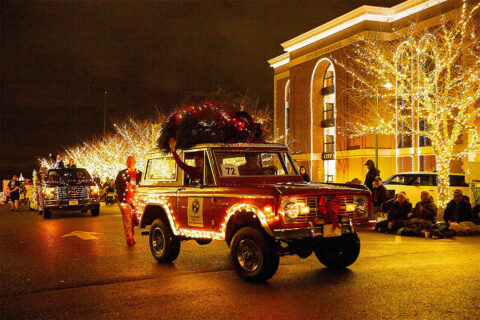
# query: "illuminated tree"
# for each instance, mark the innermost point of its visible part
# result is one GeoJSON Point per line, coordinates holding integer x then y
{"type": "Point", "coordinates": [105, 156]}
{"type": "Point", "coordinates": [424, 84]}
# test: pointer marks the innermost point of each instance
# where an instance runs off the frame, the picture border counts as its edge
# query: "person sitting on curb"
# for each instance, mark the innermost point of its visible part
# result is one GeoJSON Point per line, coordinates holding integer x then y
{"type": "Point", "coordinates": [476, 212]}
{"type": "Point", "coordinates": [458, 214]}
{"type": "Point", "coordinates": [397, 215]}
{"type": "Point", "coordinates": [424, 214]}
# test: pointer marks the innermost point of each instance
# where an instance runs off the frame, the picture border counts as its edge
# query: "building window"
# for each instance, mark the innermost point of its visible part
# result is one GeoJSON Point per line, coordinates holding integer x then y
{"type": "Point", "coordinates": [329, 144]}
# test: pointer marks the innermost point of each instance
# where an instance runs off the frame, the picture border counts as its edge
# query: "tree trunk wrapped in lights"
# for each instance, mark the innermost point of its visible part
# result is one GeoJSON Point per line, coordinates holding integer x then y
{"type": "Point", "coordinates": [428, 85]}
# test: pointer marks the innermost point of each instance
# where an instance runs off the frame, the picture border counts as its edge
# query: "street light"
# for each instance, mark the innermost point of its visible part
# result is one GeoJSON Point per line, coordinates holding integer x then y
{"type": "Point", "coordinates": [105, 113]}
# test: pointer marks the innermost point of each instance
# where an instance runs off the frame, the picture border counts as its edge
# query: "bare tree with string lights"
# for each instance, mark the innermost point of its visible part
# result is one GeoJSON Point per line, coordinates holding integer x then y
{"type": "Point", "coordinates": [428, 85]}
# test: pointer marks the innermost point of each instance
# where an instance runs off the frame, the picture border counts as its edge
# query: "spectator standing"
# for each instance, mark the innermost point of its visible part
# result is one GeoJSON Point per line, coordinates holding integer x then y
{"type": "Point", "coordinates": [59, 162]}
{"type": "Point", "coordinates": [304, 174]}
{"type": "Point", "coordinates": [425, 212]}
{"type": "Point", "coordinates": [397, 215]}
{"type": "Point", "coordinates": [458, 214]}
{"type": "Point", "coordinates": [371, 174]}
{"type": "Point", "coordinates": [379, 194]}
{"type": "Point", "coordinates": [14, 187]}
{"type": "Point", "coordinates": [126, 185]}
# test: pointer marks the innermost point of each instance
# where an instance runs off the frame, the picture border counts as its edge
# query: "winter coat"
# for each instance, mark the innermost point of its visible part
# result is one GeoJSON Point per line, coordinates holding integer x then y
{"type": "Point", "coordinates": [370, 177]}
{"type": "Point", "coordinates": [429, 211]}
{"type": "Point", "coordinates": [398, 212]}
{"type": "Point", "coordinates": [464, 211]}
{"type": "Point", "coordinates": [121, 183]}
{"type": "Point", "coordinates": [379, 195]}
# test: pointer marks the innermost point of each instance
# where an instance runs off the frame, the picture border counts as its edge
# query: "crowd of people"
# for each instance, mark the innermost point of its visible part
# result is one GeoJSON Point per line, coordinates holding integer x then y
{"type": "Point", "coordinates": [419, 220]}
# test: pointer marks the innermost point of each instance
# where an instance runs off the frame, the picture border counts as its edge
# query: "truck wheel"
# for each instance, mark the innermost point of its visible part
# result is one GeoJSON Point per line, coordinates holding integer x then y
{"type": "Point", "coordinates": [254, 258]}
{"type": "Point", "coordinates": [339, 253]}
{"type": "Point", "coordinates": [95, 212]}
{"type": "Point", "coordinates": [164, 245]}
{"type": "Point", "coordinates": [47, 214]}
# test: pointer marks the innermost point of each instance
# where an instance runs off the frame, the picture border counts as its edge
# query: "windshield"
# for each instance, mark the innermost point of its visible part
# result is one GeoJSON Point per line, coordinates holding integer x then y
{"type": "Point", "coordinates": [67, 174]}
{"type": "Point", "coordinates": [252, 163]}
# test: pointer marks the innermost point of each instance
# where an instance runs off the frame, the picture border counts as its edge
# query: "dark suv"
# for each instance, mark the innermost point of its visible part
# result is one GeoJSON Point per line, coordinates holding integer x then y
{"type": "Point", "coordinates": [68, 189]}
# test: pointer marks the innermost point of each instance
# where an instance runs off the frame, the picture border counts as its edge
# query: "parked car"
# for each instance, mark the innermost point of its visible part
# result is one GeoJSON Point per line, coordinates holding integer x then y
{"type": "Point", "coordinates": [413, 183]}
{"type": "Point", "coordinates": [261, 215]}
{"type": "Point", "coordinates": [68, 189]}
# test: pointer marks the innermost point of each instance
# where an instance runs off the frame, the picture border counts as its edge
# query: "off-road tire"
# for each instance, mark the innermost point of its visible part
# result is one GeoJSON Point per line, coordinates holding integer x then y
{"type": "Point", "coordinates": [47, 214]}
{"type": "Point", "coordinates": [164, 245]}
{"type": "Point", "coordinates": [254, 257]}
{"type": "Point", "coordinates": [339, 252]}
{"type": "Point", "coordinates": [95, 212]}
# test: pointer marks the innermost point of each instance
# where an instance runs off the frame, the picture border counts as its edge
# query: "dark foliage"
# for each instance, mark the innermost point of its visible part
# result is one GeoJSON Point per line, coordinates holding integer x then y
{"type": "Point", "coordinates": [208, 124]}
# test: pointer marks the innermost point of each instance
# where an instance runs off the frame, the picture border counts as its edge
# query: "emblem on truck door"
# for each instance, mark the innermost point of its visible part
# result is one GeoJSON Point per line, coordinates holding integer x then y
{"type": "Point", "coordinates": [195, 212]}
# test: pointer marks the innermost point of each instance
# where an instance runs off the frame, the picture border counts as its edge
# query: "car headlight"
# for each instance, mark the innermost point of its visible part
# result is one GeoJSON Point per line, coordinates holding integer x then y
{"type": "Point", "coordinates": [292, 208]}
{"type": "Point", "coordinates": [361, 206]}
{"type": "Point", "coordinates": [94, 190]}
{"type": "Point", "coordinates": [49, 193]}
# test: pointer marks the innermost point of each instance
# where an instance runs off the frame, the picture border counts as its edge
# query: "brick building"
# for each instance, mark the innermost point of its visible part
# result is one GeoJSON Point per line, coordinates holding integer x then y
{"type": "Point", "coordinates": [309, 97]}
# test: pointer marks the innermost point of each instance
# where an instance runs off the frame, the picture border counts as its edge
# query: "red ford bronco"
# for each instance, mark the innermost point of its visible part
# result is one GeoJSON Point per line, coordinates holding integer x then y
{"type": "Point", "coordinates": [253, 197]}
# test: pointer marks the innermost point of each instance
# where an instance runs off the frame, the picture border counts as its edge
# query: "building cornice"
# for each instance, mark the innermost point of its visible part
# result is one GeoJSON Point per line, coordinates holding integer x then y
{"type": "Point", "coordinates": [348, 20]}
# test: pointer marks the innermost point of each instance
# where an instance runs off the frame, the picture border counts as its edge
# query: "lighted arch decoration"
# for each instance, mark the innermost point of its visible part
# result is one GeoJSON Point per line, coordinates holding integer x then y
{"type": "Point", "coordinates": [287, 87]}
{"type": "Point", "coordinates": [427, 44]}
{"type": "Point", "coordinates": [403, 49]}
{"type": "Point", "coordinates": [311, 106]}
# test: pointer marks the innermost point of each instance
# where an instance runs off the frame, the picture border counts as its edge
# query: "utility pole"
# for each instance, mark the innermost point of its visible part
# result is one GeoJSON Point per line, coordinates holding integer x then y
{"type": "Point", "coordinates": [105, 113]}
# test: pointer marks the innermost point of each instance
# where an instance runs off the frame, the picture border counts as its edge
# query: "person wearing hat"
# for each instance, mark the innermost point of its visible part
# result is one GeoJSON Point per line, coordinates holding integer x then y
{"type": "Point", "coordinates": [425, 212]}
{"type": "Point", "coordinates": [458, 214]}
{"type": "Point", "coordinates": [397, 215]}
{"type": "Point", "coordinates": [371, 174]}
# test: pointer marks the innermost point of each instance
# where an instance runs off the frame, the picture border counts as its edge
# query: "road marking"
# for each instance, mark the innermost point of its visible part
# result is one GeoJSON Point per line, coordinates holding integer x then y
{"type": "Point", "coordinates": [84, 235]}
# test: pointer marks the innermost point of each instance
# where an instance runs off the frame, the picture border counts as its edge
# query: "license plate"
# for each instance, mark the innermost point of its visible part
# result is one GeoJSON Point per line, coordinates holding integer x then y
{"type": "Point", "coordinates": [72, 202]}
{"type": "Point", "coordinates": [329, 232]}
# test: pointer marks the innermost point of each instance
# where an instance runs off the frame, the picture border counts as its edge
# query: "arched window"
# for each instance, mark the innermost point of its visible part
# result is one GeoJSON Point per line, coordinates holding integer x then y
{"type": "Point", "coordinates": [328, 123]}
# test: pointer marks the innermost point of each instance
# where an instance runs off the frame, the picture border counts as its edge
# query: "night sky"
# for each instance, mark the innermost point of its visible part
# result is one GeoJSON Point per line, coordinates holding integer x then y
{"type": "Point", "coordinates": [58, 58]}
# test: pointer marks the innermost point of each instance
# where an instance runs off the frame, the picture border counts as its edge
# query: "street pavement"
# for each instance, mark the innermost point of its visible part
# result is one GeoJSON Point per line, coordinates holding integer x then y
{"type": "Point", "coordinates": [75, 266]}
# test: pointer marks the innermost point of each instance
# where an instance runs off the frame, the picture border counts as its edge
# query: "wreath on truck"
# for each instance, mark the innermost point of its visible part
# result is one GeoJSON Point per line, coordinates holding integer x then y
{"type": "Point", "coordinates": [208, 123]}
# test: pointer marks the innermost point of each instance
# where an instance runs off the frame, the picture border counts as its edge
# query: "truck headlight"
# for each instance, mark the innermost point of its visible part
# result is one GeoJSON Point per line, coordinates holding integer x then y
{"type": "Point", "coordinates": [94, 190]}
{"type": "Point", "coordinates": [361, 206]}
{"type": "Point", "coordinates": [292, 208]}
{"type": "Point", "coordinates": [49, 193]}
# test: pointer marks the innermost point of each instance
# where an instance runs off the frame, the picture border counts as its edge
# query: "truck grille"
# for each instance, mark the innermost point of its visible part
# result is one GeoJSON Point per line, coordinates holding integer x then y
{"type": "Point", "coordinates": [312, 203]}
{"type": "Point", "coordinates": [77, 192]}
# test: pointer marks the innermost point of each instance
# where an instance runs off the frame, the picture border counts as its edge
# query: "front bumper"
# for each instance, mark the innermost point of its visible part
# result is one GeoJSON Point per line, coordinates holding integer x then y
{"type": "Point", "coordinates": [311, 231]}
{"type": "Point", "coordinates": [79, 204]}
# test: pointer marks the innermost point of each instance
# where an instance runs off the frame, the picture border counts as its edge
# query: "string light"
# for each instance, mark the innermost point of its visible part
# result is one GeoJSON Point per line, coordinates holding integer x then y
{"type": "Point", "coordinates": [436, 73]}
{"type": "Point", "coordinates": [106, 156]}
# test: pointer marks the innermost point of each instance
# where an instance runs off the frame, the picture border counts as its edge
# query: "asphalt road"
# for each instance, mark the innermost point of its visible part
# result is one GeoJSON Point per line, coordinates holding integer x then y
{"type": "Point", "coordinates": [48, 272]}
